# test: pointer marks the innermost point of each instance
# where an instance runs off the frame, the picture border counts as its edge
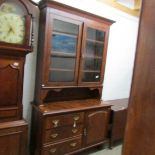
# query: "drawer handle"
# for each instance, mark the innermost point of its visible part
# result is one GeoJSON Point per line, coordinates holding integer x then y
{"type": "Point", "coordinates": [54, 135]}
{"type": "Point", "coordinates": [73, 144]}
{"type": "Point", "coordinates": [76, 118]}
{"type": "Point", "coordinates": [55, 123]}
{"type": "Point", "coordinates": [74, 130]}
{"type": "Point", "coordinates": [53, 150]}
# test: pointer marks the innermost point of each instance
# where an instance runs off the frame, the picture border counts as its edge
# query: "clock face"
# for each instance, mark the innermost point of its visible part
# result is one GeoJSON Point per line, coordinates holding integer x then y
{"type": "Point", "coordinates": [12, 28]}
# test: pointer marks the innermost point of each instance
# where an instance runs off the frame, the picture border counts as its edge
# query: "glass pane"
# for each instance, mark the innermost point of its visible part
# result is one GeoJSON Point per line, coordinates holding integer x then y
{"type": "Point", "coordinates": [94, 49]}
{"type": "Point", "coordinates": [63, 63]}
{"type": "Point", "coordinates": [65, 27]}
{"type": "Point", "coordinates": [92, 64]}
{"type": "Point", "coordinates": [62, 43]}
{"type": "Point", "coordinates": [64, 50]}
{"type": "Point", "coordinates": [95, 34]}
{"type": "Point", "coordinates": [91, 77]}
{"type": "Point", "coordinates": [61, 76]}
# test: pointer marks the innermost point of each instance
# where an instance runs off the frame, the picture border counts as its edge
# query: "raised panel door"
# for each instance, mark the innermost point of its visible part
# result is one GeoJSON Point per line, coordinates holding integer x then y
{"type": "Point", "coordinates": [96, 126]}
{"type": "Point", "coordinates": [11, 87]}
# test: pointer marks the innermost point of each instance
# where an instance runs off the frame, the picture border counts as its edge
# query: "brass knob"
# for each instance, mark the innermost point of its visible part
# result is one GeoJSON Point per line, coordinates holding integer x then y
{"type": "Point", "coordinates": [16, 64]}
{"type": "Point", "coordinates": [73, 144]}
{"type": "Point", "coordinates": [55, 123]}
{"type": "Point", "coordinates": [54, 135]}
{"type": "Point", "coordinates": [74, 130]}
{"type": "Point", "coordinates": [74, 125]}
{"type": "Point", "coordinates": [76, 118]}
{"type": "Point", "coordinates": [53, 150]}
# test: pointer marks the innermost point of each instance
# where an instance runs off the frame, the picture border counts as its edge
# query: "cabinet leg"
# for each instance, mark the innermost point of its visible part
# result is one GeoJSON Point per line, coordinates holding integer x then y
{"type": "Point", "coordinates": [111, 144]}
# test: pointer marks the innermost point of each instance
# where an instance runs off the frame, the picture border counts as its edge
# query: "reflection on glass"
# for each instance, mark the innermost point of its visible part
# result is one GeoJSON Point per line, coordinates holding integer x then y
{"type": "Point", "coordinates": [92, 60]}
{"type": "Point", "coordinates": [92, 64]}
{"type": "Point", "coordinates": [62, 43]}
{"type": "Point", "coordinates": [63, 53]}
{"type": "Point", "coordinates": [65, 27]}
{"type": "Point", "coordinates": [95, 34]}
{"type": "Point", "coordinates": [91, 77]}
{"type": "Point", "coordinates": [63, 63]}
{"type": "Point", "coordinates": [94, 49]}
{"type": "Point", "coordinates": [61, 76]}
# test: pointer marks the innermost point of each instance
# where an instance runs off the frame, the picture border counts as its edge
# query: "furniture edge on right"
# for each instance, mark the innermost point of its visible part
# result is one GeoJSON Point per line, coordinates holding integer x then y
{"type": "Point", "coordinates": [117, 123]}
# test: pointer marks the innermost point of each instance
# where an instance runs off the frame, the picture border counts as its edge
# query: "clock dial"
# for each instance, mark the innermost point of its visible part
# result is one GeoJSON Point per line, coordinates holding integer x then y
{"type": "Point", "coordinates": [12, 28]}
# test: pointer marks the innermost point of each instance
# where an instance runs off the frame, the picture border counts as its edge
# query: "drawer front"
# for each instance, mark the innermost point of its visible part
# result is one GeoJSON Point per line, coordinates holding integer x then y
{"type": "Point", "coordinates": [63, 147]}
{"type": "Point", "coordinates": [62, 120]}
{"type": "Point", "coordinates": [53, 135]}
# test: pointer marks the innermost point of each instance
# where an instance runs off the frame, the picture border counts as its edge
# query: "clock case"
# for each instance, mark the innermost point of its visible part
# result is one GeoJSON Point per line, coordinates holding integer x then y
{"type": "Point", "coordinates": [12, 60]}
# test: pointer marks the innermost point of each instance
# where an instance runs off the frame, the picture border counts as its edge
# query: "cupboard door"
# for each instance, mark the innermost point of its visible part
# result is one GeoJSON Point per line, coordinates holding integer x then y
{"type": "Point", "coordinates": [63, 51]}
{"type": "Point", "coordinates": [10, 77]}
{"type": "Point", "coordinates": [93, 53]}
{"type": "Point", "coordinates": [96, 126]}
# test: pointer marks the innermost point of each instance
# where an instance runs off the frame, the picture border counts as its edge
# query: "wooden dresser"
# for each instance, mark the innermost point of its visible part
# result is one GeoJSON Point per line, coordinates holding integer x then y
{"type": "Point", "coordinates": [68, 114]}
{"type": "Point", "coordinates": [69, 126]}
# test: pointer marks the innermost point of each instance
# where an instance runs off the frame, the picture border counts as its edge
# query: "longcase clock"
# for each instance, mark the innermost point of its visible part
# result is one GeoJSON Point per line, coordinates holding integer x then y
{"type": "Point", "coordinates": [16, 38]}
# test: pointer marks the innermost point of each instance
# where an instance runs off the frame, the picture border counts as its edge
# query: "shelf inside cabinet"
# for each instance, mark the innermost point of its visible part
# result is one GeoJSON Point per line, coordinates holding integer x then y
{"type": "Point", "coordinates": [62, 54]}
{"type": "Point", "coordinates": [92, 56]}
{"type": "Point", "coordinates": [91, 71]}
{"type": "Point", "coordinates": [62, 70]}
{"type": "Point", "coordinates": [95, 41]}
{"type": "Point", "coordinates": [64, 34]}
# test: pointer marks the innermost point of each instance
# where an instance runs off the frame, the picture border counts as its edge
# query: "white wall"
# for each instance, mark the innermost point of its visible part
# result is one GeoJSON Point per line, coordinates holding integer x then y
{"type": "Point", "coordinates": [121, 51]}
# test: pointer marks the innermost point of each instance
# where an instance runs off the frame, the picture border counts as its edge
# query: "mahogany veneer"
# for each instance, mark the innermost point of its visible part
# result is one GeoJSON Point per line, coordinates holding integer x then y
{"type": "Point", "coordinates": [68, 114]}
{"type": "Point", "coordinates": [13, 138]}
{"type": "Point", "coordinates": [69, 126]}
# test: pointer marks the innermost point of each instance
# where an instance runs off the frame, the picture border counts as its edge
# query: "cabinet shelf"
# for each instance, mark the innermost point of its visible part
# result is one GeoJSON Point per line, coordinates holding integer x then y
{"type": "Point", "coordinates": [64, 34]}
{"type": "Point", "coordinates": [91, 71]}
{"type": "Point", "coordinates": [92, 56]}
{"type": "Point", "coordinates": [62, 54]}
{"type": "Point", "coordinates": [95, 41]}
{"type": "Point", "coordinates": [62, 70]}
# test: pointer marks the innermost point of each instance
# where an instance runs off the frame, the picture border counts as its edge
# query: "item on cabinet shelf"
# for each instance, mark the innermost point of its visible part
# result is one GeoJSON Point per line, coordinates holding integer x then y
{"type": "Point", "coordinates": [118, 119]}
{"type": "Point", "coordinates": [68, 114]}
{"type": "Point", "coordinates": [13, 138]}
{"type": "Point", "coordinates": [16, 35]}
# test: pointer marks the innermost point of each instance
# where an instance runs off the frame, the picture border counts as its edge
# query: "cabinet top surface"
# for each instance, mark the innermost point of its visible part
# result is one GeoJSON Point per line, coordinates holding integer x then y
{"type": "Point", "coordinates": [119, 104]}
{"type": "Point", "coordinates": [70, 106]}
{"type": "Point", "coordinates": [64, 7]}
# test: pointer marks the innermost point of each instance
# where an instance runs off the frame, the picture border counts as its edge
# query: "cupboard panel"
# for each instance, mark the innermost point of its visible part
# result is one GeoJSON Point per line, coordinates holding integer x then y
{"type": "Point", "coordinates": [97, 126]}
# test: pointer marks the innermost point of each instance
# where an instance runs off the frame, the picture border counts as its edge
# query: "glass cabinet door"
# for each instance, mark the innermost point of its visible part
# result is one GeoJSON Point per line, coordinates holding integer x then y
{"type": "Point", "coordinates": [64, 55]}
{"type": "Point", "coordinates": [92, 56]}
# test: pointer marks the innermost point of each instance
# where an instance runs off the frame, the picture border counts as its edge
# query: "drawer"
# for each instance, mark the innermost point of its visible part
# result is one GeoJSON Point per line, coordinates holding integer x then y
{"type": "Point", "coordinates": [62, 120]}
{"type": "Point", "coordinates": [55, 134]}
{"type": "Point", "coordinates": [62, 147]}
